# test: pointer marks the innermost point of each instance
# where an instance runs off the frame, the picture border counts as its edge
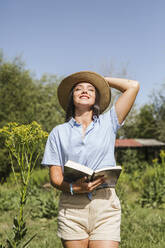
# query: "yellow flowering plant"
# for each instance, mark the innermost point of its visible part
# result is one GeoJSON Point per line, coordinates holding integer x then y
{"type": "Point", "coordinates": [25, 144]}
{"type": "Point", "coordinates": [152, 186]}
{"type": "Point", "coordinates": [162, 156]}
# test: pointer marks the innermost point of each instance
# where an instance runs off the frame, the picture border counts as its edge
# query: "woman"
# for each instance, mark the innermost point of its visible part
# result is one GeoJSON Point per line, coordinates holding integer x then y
{"type": "Point", "coordinates": [89, 212]}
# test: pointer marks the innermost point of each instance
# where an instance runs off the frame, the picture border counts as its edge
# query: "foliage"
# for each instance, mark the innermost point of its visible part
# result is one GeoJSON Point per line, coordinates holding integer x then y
{"type": "Point", "coordinates": [132, 160]}
{"type": "Point", "coordinates": [25, 143]}
{"type": "Point", "coordinates": [8, 201]}
{"type": "Point", "coordinates": [122, 192]}
{"type": "Point", "coordinates": [17, 90]}
{"type": "Point", "coordinates": [24, 99]}
{"type": "Point", "coordinates": [39, 177]}
{"type": "Point", "coordinates": [141, 227]}
{"type": "Point", "coordinates": [148, 121]}
{"type": "Point", "coordinates": [129, 129]}
{"type": "Point", "coordinates": [47, 207]}
{"type": "Point", "coordinates": [48, 111]}
{"type": "Point", "coordinates": [5, 167]}
{"type": "Point", "coordinates": [158, 103]}
{"type": "Point", "coordinates": [153, 184]}
{"type": "Point", "coordinates": [140, 124]}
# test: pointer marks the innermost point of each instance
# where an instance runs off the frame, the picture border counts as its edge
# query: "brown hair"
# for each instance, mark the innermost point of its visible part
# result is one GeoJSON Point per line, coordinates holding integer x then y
{"type": "Point", "coordinates": [70, 112]}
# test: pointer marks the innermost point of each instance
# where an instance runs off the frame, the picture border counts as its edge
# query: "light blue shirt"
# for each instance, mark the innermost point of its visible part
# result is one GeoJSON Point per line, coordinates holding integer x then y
{"type": "Point", "coordinates": [95, 150]}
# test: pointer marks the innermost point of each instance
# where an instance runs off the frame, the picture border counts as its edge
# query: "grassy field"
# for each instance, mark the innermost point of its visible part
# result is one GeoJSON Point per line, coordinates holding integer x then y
{"type": "Point", "coordinates": [141, 227]}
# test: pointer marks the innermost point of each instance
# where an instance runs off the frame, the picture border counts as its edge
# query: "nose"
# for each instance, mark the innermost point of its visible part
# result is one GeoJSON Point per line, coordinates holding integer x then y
{"type": "Point", "coordinates": [84, 91]}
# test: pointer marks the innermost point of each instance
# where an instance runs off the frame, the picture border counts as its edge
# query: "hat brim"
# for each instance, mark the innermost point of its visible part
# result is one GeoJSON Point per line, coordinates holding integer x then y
{"type": "Point", "coordinates": [84, 76]}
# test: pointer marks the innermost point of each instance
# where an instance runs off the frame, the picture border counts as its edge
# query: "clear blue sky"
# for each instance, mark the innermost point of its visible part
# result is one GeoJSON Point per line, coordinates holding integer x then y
{"type": "Point", "coordinates": [64, 36]}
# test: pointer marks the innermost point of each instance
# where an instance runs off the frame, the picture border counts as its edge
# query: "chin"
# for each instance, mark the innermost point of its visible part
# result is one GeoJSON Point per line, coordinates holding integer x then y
{"type": "Point", "coordinates": [83, 105]}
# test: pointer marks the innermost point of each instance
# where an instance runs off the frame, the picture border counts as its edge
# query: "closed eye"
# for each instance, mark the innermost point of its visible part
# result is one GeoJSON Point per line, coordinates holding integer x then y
{"type": "Point", "coordinates": [76, 89]}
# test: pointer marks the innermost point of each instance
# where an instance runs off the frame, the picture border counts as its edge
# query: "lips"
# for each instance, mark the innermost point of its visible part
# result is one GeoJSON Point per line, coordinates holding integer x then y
{"type": "Point", "coordinates": [84, 97]}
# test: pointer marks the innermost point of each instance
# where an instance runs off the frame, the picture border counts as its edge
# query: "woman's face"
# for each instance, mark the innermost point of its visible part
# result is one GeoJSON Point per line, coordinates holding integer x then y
{"type": "Point", "coordinates": [84, 94]}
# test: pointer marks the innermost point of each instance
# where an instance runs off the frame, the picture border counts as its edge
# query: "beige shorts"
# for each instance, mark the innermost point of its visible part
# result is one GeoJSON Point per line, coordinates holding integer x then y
{"type": "Point", "coordinates": [96, 219]}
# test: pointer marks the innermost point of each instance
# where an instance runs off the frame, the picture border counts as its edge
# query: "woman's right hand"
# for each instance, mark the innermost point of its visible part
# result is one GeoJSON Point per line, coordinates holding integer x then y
{"type": "Point", "coordinates": [82, 186]}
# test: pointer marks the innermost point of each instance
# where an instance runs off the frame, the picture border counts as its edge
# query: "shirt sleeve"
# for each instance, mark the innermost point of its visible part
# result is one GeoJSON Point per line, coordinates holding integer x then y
{"type": "Point", "coordinates": [114, 119]}
{"type": "Point", "coordinates": [52, 152]}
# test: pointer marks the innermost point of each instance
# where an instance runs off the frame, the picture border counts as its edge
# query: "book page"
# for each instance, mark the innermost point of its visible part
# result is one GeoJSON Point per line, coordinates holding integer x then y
{"type": "Point", "coordinates": [74, 171]}
{"type": "Point", "coordinates": [111, 176]}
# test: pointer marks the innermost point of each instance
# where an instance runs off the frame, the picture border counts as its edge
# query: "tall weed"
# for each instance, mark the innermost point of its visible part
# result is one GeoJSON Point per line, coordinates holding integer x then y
{"type": "Point", "coordinates": [25, 144]}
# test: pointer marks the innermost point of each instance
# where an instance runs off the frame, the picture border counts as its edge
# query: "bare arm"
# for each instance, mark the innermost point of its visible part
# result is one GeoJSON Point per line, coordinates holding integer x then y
{"type": "Point", "coordinates": [80, 186]}
{"type": "Point", "coordinates": [130, 89]}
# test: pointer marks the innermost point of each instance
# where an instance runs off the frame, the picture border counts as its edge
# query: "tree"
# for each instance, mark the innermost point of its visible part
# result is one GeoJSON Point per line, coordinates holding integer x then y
{"type": "Point", "coordinates": [16, 93]}
{"type": "Point", "coordinates": [146, 123]}
{"type": "Point", "coordinates": [48, 111]}
{"type": "Point", "coordinates": [158, 102]}
{"type": "Point", "coordinates": [24, 99]}
{"type": "Point", "coordinates": [129, 130]}
{"type": "Point", "coordinates": [140, 124]}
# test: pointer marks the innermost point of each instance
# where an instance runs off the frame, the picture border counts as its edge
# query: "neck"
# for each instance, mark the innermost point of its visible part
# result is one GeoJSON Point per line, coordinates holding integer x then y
{"type": "Point", "coordinates": [84, 117]}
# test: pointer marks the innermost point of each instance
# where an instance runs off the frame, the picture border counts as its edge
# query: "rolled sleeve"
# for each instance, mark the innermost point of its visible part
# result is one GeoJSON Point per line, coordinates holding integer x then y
{"type": "Point", "coordinates": [51, 153]}
{"type": "Point", "coordinates": [114, 119]}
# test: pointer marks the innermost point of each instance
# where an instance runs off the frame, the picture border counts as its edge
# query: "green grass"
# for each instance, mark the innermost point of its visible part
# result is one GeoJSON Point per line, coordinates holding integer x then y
{"type": "Point", "coordinates": [141, 227]}
{"type": "Point", "coordinates": [45, 228]}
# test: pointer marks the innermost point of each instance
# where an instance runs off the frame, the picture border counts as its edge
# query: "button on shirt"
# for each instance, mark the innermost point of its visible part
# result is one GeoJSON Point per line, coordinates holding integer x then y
{"type": "Point", "coordinates": [95, 149]}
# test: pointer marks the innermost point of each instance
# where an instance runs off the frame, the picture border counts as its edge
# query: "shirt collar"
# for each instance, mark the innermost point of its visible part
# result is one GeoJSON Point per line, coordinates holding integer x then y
{"type": "Point", "coordinates": [95, 118]}
{"type": "Point", "coordinates": [73, 122]}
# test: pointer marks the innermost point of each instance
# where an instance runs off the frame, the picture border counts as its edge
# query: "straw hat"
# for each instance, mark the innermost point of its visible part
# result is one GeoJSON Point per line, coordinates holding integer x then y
{"type": "Point", "coordinates": [84, 76]}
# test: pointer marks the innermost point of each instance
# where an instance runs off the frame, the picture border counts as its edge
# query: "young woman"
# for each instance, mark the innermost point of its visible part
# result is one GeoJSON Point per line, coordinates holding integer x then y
{"type": "Point", "coordinates": [89, 212]}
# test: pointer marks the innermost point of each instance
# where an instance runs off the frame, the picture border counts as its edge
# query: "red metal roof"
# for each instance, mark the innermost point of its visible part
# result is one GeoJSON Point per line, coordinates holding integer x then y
{"type": "Point", "coordinates": [127, 143]}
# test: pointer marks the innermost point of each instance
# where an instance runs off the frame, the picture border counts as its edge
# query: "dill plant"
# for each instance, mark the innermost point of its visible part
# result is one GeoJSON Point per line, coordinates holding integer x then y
{"type": "Point", "coordinates": [25, 144]}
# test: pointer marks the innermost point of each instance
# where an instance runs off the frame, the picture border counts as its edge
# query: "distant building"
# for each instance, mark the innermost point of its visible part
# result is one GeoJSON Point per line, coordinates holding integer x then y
{"type": "Point", "coordinates": [149, 148]}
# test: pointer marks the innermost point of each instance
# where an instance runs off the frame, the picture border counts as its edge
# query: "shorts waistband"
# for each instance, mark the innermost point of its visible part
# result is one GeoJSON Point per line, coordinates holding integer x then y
{"type": "Point", "coordinates": [103, 186]}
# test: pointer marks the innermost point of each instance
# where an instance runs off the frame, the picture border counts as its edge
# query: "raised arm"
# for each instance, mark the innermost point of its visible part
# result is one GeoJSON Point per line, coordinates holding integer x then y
{"type": "Point", "coordinates": [129, 89]}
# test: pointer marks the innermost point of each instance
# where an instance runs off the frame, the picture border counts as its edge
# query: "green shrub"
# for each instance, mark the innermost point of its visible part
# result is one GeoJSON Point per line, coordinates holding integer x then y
{"type": "Point", "coordinates": [11, 180]}
{"type": "Point", "coordinates": [8, 201]}
{"type": "Point", "coordinates": [40, 177]}
{"type": "Point", "coordinates": [132, 161]}
{"type": "Point", "coordinates": [47, 206]}
{"type": "Point", "coordinates": [153, 186]}
{"type": "Point", "coordinates": [5, 164]}
{"type": "Point", "coordinates": [136, 175]}
{"type": "Point", "coordinates": [123, 190]}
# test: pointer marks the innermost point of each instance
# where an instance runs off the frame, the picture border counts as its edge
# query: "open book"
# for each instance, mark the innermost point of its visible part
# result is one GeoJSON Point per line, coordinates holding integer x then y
{"type": "Point", "coordinates": [74, 171]}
